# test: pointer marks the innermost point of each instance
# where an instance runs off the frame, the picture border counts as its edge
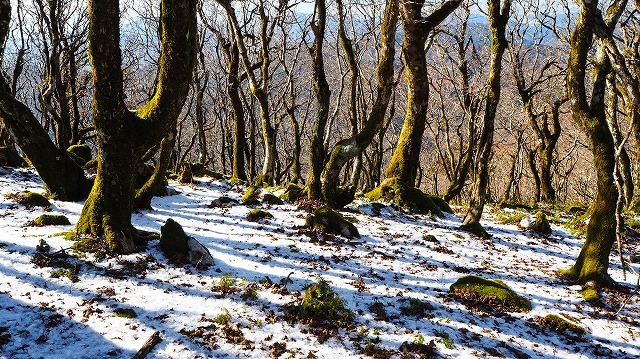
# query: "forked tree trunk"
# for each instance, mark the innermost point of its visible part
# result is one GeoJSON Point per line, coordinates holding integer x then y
{"type": "Point", "coordinates": [498, 17]}
{"type": "Point", "coordinates": [592, 263]}
{"type": "Point", "coordinates": [406, 156]}
{"type": "Point", "coordinates": [123, 136]}
{"type": "Point", "coordinates": [346, 149]}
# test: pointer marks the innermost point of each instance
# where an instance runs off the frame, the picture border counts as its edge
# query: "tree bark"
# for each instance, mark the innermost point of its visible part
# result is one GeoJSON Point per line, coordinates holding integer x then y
{"type": "Point", "coordinates": [323, 96]}
{"type": "Point", "coordinates": [123, 136]}
{"type": "Point", "coordinates": [349, 148]}
{"type": "Point", "coordinates": [498, 17]}
{"type": "Point", "coordinates": [62, 177]}
{"type": "Point", "coordinates": [406, 156]}
{"type": "Point", "coordinates": [593, 261]}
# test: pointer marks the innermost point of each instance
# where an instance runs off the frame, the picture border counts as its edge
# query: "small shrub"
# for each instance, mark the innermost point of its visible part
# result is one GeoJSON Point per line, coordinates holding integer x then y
{"type": "Point", "coordinates": [223, 318]}
{"type": "Point", "coordinates": [71, 274]}
{"type": "Point", "coordinates": [256, 215]}
{"type": "Point", "coordinates": [321, 304]}
{"type": "Point", "coordinates": [250, 292]}
{"type": "Point", "coordinates": [226, 284]}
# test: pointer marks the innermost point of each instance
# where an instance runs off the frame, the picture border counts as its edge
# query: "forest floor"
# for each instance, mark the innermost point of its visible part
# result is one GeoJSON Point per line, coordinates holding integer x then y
{"type": "Point", "coordinates": [101, 308]}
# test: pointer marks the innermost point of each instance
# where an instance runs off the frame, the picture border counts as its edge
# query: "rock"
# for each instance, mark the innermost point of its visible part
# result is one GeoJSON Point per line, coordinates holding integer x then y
{"type": "Point", "coordinates": [326, 220]}
{"type": "Point", "coordinates": [81, 154]}
{"type": "Point", "coordinates": [51, 220]}
{"type": "Point", "coordinates": [292, 192]}
{"type": "Point", "coordinates": [409, 198]}
{"type": "Point", "coordinates": [175, 243]}
{"type": "Point", "coordinates": [198, 254]}
{"type": "Point", "coordinates": [256, 215]}
{"type": "Point", "coordinates": [31, 199]}
{"type": "Point", "coordinates": [270, 198]}
{"type": "Point", "coordinates": [222, 202]}
{"type": "Point", "coordinates": [475, 228]}
{"type": "Point", "coordinates": [536, 223]}
{"type": "Point", "coordinates": [493, 294]}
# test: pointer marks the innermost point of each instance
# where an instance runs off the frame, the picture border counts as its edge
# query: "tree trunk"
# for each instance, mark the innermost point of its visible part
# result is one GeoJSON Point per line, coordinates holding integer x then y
{"type": "Point", "coordinates": [346, 149]}
{"type": "Point", "coordinates": [323, 96]}
{"type": "Point", "coordinates": [593, 261]}
{"type": "Point", "coordinates": [145, 194]}
{"type": "Point", "coordinates": [498, 17]}
{"type": "Point", "coordinates": [123, 136]}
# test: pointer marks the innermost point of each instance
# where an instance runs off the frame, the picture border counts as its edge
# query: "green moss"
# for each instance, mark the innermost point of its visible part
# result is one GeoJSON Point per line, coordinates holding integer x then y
{"type": "Point", "coordinates": [561, 325]}
{"type": "Point", "coordinates": [251, 195]}
{"type": "Point", "coordinates": [271, 199]}
{"type": "Point", "coordinates": [51, 220]}
{"type": "Point", "coordinates": [592, 295]}
{"type": "Point", "coordinates": [30, 199]}
{"type": "Point", "coordinates": [125, 313]}
{"type": "Point", "coordinates": [493, 293]}
{"type": "Point", "coordinates": [441, 203]}
{"type": "Point", "coordinates": [410, 198]}
{"type": "Point", "coordinates": [321, 304]}
{"type": "Point", "coordinates": [509, 217]}
{"type": "Point", "coordinates": [258, 214]}
{"type": "Point", "coordinates": [542, 224]}
{"type": "Point", "coordinates": [71, 274]}
{"type": "Point", "coordinates": [293, 192]}
{"type": "Point", "coordinates": [81, 152]}
{"type": "Point", "coordinates": [173, 240]}
{"type": "Point", "coordinates": [93, 163]}
{"type": "Point", "coordinates": [261, 181]}
{"type": "Point", "coordinates": [430, 238]}
{"type": "Point", "coordinates": [577, 225]}
{"type": "Point", "coordinates": [234, 181]}
{"type": "Point", "coordinates": [326, 220]}
{"type": "Point", "coordinates": [416, 308]}
{"type": "Point", "coordinates": [475, 228]}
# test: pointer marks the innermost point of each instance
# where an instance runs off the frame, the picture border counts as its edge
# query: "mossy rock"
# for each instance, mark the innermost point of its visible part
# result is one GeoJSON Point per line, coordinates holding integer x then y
{"type": "Point", "coordinates": [409, 198]}
{"type": "Point", "coordinates": [234, 181]}
{"type": "Point", "coordinates": [251, 195]}
{"type": "Point", "coordinates": [441, 203]}
{"type": "Point", "coordinates": [51, 220]}
{"type": "Point", "coordinates": [10, 157]}
{"type": "Point", "coordinates": [81, 152]}
{"type": "Point", "coordinates": [271, 198]}
{"type": "Point", "coordinates": [261, 181]}
{"type": "Point", "coordinates": [186, 176]}
{"type": "Point", "coordinates": [430, 238]}
{"type": "Point", "coordinates": [493, 294]}
{"type": "Point", "coordinates": [292, 192]}
{"type": "Point", "coordinates": [31, 199]}
{"type": "Point", "coordinates": [223, 202]}
{"type": "Point", "coordinates": [560, 324]}
{"type": "Point", "coordinates": [326, 220]}
{"type": "Point", "coordinates": [591, 294]}
{"type": "Point", "coordinates": [173, 240]}
{"type": "Point", "coordinates": [475, 228]}
{"type": "Point", "coordinates": [537, 223]}
{"type": "Point", "coordinates": [256, 215]}
{"type": "Point", "coordinates": [323, 306]}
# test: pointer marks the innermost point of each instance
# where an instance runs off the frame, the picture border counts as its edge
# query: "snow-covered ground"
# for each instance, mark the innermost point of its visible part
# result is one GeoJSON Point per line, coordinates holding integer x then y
{"type": "Point", "coordinates": [45, 317]}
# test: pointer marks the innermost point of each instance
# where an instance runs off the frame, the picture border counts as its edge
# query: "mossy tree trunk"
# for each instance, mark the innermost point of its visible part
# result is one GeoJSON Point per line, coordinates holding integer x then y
{"type": "Point", "coordinates": [123, 136]}
{"type": "Point", "coordinates": [145, 194]}
{"type": "Point", "coordinates": [346, 149]}
{"type": "Point", "coordinates": [259, 88]}
{"type": "Point", "coordinates": [62, 177]}
{"type": "Point", "coordinates": [417, 28]}
{"type": "Point", "coordinates": [593, 261]}
{"type": "Point", "coordinates": [323, 96]}
{"type": "Point", "coordinates": [624, 162]}
{"type": "Point", "coordinates": [498, 18]}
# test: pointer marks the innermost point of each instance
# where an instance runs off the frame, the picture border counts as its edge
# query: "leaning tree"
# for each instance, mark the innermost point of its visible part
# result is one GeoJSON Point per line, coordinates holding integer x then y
{"type": "Point", "coordinates": [123, 135]}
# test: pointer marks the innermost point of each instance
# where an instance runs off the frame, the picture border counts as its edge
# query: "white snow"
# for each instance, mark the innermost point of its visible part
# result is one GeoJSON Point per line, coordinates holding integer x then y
{"type": "Point", "coordinates": [47, 317]}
